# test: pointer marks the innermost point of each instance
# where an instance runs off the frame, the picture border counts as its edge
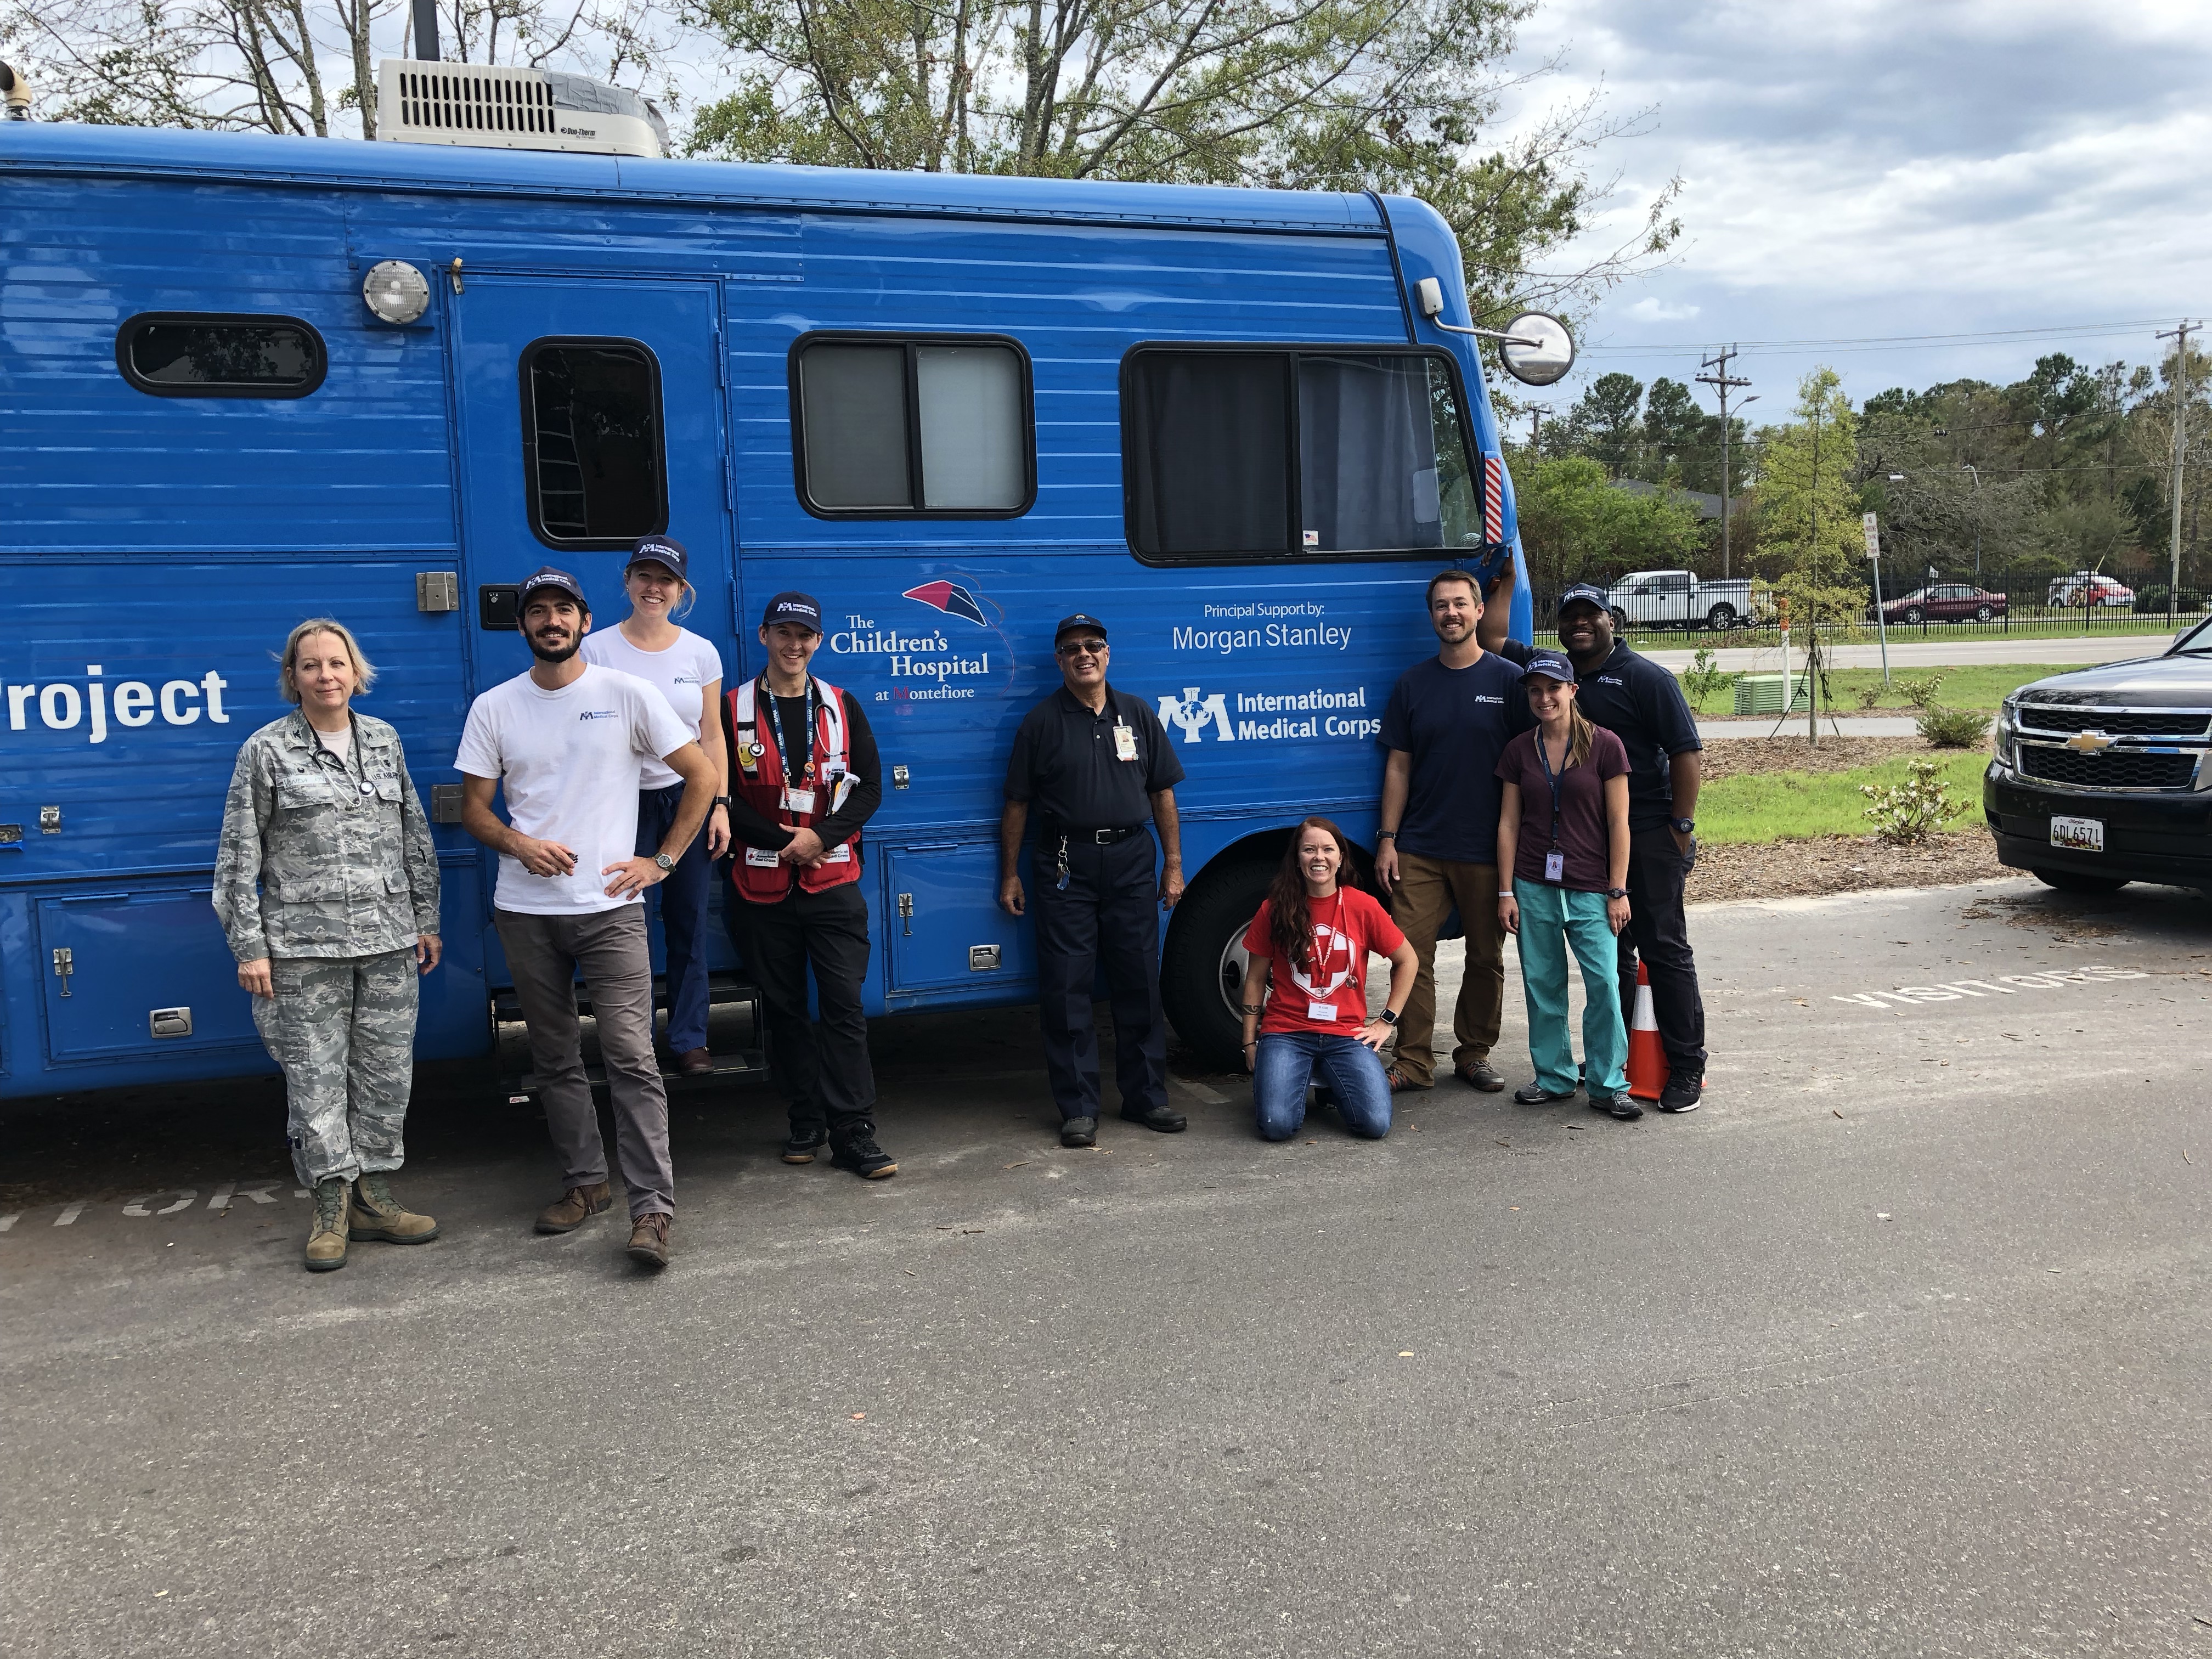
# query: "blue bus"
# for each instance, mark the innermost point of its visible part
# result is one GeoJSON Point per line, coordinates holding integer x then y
{"type": "Point", "coordinates": [252, 379]}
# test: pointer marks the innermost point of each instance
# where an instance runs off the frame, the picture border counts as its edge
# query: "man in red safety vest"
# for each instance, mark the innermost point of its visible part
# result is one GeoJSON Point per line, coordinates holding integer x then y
{"type": "Point", "coordinates": [804, 777]}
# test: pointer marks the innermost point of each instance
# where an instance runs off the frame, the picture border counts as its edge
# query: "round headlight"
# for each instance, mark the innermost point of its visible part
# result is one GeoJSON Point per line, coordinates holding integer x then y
{"type": "Point", "coordinates": [396, 291]}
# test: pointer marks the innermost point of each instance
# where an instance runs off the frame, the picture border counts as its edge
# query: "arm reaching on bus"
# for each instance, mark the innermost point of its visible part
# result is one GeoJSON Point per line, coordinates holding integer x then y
{"type": "Point", "coordinates": [1013, 823]}
{"type": "Point", "coordinates": [1497, 608]}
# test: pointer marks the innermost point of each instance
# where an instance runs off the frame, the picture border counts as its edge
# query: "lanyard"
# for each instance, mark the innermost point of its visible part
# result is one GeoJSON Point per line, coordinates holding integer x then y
{"type": "Point", "coordinates": [1323, 971]}
{"type": "Point", "coordinates": [358, 771]}
{"type": "Point", "coordinates": [776, 716]}
{"type": "Point", "coordinates": [1554, 779]}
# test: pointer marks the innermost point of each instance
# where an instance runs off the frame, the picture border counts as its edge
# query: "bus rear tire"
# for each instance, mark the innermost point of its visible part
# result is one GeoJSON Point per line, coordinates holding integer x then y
{"type": "Point", "coordinates": [1205, 949]}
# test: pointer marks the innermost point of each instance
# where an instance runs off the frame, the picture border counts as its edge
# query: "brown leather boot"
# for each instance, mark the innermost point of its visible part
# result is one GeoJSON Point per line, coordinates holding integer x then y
{"type": "Point", "coordinates": [326, 1234]}
{"type": "Point", "coordinates": [377, 1214]}
{"type": "Point", "coordinates": [648, 1239]}
{"type": "Point", "coordinates": [577, 1206]}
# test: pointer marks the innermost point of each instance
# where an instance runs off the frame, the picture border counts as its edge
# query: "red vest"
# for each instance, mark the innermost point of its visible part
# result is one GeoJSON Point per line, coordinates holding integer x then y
{"type": "Point", "coordinates": [757, 778]}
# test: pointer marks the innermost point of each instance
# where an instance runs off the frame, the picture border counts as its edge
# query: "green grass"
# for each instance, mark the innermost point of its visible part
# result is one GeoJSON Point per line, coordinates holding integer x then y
{"type": "Point", "coordinates": [2064, 627]}
{"type": "Point", "coordinates": [1763, 806]}
{"type": "Point", "coordinates": [1983, 685]}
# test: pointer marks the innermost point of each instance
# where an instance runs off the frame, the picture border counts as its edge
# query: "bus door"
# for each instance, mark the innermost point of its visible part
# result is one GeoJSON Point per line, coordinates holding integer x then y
{"type": "Point", "coordinates": [590, 415]}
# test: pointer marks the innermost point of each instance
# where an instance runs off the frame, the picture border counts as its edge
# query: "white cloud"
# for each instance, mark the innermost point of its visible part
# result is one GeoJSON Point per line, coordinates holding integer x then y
{"type": "Point", "coordinates": [1649, 310]}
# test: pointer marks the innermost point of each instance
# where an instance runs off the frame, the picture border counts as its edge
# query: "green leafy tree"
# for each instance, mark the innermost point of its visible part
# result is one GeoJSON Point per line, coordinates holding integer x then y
{"type": "Point", "coordinates": [1578, 527]}
{"type": "Point", "coordinates": [1306, 94]}
{"type": "Point", "coordinates": [1808, 505]}
{"type": "Point", "coordinates": [1606, 423]}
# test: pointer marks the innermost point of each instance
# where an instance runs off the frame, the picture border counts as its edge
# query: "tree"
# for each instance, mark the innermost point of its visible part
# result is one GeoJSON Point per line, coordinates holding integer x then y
{"type": "Point", "coordinates": [1809, 504]}
{"type": "Point", "coordinates": [1578, 527]}
{"type": "Point", "coordinates": [1605, 421]}
{"type": "Point", "coordinates": [1302, 94]}
{"type": "Point", "coordinates": [1681, 442]}
{"type": "Point", "coordinates": [259, 65]}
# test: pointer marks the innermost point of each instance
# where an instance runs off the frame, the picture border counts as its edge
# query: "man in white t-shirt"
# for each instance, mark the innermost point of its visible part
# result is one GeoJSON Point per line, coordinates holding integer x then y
{"type": "Point", "coordinates": [569, 742]}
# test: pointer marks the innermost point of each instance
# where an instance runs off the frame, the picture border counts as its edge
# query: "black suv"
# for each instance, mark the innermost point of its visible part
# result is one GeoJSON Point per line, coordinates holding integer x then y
{"type": "Point", "coordinates": [2103, 776]}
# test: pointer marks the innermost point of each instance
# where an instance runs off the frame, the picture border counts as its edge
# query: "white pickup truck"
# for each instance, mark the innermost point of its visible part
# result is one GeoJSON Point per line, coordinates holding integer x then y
{"type": "Point", "coordinates": [1676, 599]}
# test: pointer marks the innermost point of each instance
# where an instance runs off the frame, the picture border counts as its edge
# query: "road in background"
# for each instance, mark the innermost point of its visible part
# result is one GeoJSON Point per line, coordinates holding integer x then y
{"type": "Point", "coordinates": [1899, 1346]}
{"type": "Point", "coordinates": [1937, 652]}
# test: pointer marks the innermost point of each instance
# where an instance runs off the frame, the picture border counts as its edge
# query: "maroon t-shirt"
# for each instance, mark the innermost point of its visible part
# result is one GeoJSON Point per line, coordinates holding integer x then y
{"type": "Point", "coordinates": [1582, 809]}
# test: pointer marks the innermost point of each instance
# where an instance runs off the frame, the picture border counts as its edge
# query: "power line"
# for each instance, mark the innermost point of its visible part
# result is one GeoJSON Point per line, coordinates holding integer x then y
{"type": "Point", "coordinates": [1961, 337]}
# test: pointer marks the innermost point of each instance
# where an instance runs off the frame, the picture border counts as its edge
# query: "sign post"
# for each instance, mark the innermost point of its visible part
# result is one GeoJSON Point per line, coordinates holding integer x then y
{"type": "Point", "coordinates": [1873, 529]}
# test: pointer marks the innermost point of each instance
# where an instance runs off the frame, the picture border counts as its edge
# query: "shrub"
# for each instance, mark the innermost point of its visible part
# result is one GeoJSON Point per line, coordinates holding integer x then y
{"type": "Point", "coordinates": [1952, 728]}
{"type": "Point", "coordinates": [1912, 810]}
{"type": "Point", "coordinates": [2151, 601]}
{"type": "Point", "coordinates": [1921, 693]}
{"type": "Point", "coordinates": [1869, 696]}
{"type": "Point", "coordinates": [1701, 680]}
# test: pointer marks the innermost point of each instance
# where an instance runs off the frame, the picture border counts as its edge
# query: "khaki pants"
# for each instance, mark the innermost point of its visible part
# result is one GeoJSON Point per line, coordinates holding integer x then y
{"type": "Point", "coordinates": [1425, 892]}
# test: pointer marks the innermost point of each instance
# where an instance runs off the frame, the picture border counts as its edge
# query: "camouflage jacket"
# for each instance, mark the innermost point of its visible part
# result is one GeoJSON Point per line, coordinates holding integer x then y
{"type": "Point", "coordinates": [311, 866]}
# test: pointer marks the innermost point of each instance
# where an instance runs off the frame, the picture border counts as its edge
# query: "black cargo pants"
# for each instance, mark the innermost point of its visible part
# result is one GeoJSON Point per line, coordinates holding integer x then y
{"type": "Point", "coordinates": [1658, 933]}
{"type": "Point", "coordinates": [1107, 915]}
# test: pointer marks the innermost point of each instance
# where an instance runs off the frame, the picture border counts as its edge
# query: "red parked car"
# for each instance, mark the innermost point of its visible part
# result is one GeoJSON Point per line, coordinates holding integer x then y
{"type": "Point", "coordinates": [1945, 602]}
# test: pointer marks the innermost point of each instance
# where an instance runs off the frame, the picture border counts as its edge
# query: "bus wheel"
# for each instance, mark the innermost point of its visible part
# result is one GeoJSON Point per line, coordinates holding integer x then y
{"type": "Point", "coordinates": [1202, 974]}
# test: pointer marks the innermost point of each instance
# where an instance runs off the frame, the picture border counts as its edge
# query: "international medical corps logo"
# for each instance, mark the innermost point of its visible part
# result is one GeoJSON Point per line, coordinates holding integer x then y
{"type": "Point", "coordinates": [1192, 713]}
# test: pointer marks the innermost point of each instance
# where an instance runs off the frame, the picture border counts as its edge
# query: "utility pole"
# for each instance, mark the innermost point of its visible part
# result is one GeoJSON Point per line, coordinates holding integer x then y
{"type": "Point", "coordinates": [1722, 381]}
{"type": "Point", "coordinates": [2179, 335]}
{"type": "Point", "coordinates": [1536, 413]}
{"type": "Point", "coordinates": [1968, 466]}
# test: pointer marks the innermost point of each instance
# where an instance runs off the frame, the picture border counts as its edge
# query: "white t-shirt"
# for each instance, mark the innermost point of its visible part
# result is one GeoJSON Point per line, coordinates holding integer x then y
{"type": "Point", "coordinates": [682, 672]}
{"type": "Point", "coordinates": [569, 762]}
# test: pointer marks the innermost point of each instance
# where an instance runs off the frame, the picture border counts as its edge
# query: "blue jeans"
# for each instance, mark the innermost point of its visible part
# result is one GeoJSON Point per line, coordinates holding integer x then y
{"type": "Point", "coordinates": [682, 915]}
{"type": "Point", "coordinates": [1551, 919]}
{"type": "Point", "coordinates": [1285, 1065]}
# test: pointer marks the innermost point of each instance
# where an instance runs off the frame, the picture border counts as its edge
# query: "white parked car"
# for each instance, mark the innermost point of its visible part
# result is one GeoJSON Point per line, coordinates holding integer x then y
{"type": "Point", "coordinates": [2087, 587]}
{"type": "Point", "coordinates": [1676, 599]}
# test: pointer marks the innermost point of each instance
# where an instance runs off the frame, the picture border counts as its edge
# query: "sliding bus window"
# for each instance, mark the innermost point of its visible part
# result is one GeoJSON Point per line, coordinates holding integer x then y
{"type": "Point", "coordinates": [593, 459]}
{"type": "Point", "coordinates": [1266, 452]}
{"type": "Point", "coordinates": [933, 426]}
{"type": "Point", "coordinates": [195, 355]}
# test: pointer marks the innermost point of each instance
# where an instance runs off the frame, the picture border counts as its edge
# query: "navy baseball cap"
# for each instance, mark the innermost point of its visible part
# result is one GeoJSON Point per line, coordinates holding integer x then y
{"type": "Point", "coordinates": [1551, 665]}
{"type": "Point", "coordinates": [659, 549]}
{"type": "Point", "coordinates": [796, 608]}
{"type": "Point", "coordinates": [1594, 594]}
{"type": "Point", "coordinates": [1080, 619]}
{"type": "Point", "coordinates": [546, 576]}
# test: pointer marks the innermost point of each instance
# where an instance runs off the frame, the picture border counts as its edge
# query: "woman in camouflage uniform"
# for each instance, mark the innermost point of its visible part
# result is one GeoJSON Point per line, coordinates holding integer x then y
{"type": "Point", "coordinates": [327, 884]}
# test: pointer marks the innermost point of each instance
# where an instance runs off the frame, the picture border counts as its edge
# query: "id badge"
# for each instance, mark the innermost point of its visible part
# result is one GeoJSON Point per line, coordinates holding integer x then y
{"type": "Point", "coordinates": [761, 858]}
{"type": "Point", "coordinates": [1320, 1010]}
{"type": "Point", "coordinates": [1125, 743]}
{"type": "Point", "coordinates": [1555, 866]}
{"type": "Point", "coordinates": [841, 854]}
{"type": "Point", "coordinates": [798, 800]}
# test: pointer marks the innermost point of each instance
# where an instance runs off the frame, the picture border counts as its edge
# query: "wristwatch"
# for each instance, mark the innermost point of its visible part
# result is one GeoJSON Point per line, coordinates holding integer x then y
{"type": "Point", "coordinates": [1616, 893]}
{"type": "Point", "coordinates": [718, 800]}
{"type": "Point", "coordinates": [665, 862]}
{"type": "Point", "coordinates": [1388, 1017]}
{"type": "Point", "coordinates": [1685, 826]}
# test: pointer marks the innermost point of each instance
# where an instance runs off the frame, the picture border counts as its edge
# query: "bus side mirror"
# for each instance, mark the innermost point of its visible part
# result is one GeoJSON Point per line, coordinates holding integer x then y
{"type": "Point", "coordinates": [1535, 347]}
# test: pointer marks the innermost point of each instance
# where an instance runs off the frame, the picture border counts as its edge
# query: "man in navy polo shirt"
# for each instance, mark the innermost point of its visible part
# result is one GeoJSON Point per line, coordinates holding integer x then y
{"type": "Point", "coordinates": [1642, 704]}
{"type": "Point", "coordinates": [1446, 724]}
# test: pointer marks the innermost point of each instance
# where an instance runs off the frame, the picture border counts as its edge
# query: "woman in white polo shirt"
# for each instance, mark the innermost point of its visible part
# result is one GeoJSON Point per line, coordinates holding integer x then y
{"type": "Point", "coordinates": [688, 671]}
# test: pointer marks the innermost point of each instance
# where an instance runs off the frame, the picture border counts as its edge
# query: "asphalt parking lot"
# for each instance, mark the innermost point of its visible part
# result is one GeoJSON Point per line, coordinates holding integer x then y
{"type": "Point", "coordinates": [1899, 1346]}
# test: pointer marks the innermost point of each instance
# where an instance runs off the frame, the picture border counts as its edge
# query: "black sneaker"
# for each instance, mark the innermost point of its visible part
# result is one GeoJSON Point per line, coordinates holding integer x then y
{"type": "Point", "coordinates": [1079, 1131]}
{"type": "Point", "coordinates": [803, 1145]}
{"type": "Point", "coordinates": [863, 1158]}
{"type": "Point", "coordinates": [1535, 1094]}
{"type": "Point", "coordinates": [1682, 1093]}
{"type": "Point", "coordinates": [1624, 1107]}
{"type": "Point", "coordinates": [1165, 1119]}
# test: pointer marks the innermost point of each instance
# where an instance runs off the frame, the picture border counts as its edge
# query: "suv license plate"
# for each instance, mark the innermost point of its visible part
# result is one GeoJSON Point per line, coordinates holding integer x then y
{"type": "Point", "coordinates": [2078, 835]}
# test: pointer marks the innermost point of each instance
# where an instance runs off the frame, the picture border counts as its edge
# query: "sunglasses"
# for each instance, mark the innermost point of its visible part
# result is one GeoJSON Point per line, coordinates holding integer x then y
{"type": "Point", "coordinates": [1081, 647]}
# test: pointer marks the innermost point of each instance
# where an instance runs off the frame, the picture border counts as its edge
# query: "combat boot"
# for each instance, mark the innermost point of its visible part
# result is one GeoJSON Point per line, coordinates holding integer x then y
{"type": "Point", "coordinates": [326, 1238]}
{"type": "Point", "coordinates": [377, 1214]}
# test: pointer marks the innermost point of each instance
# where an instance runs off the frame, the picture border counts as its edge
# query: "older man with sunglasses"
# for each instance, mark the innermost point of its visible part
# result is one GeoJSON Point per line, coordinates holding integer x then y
{"type": "Point", "coordinates": [1096, 766]}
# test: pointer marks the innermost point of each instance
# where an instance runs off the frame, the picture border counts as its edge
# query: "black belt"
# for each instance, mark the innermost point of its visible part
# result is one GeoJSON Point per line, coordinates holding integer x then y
{"type": "Point", "coordinates": [1094, 837]}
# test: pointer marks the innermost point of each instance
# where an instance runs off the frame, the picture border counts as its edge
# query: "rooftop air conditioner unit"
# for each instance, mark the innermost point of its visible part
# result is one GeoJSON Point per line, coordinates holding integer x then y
{"type": "Point", "coordinates": [494, 108]}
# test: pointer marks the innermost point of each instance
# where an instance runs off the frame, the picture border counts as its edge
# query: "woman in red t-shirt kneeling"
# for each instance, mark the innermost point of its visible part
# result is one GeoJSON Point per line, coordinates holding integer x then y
{"type": "Point", "coordinates": [1316, 1014]}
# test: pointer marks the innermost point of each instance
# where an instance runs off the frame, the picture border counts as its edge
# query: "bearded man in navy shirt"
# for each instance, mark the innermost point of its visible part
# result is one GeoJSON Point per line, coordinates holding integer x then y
{"type": "Point", "coordinates": [1448, 720]}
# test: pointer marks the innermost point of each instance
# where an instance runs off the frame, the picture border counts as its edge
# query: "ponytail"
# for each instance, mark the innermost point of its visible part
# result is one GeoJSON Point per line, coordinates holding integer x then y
{"type": "Point", "coordinates": [1580, 735]}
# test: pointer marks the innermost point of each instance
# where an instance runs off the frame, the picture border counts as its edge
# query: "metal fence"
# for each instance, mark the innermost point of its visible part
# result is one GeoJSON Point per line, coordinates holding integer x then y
{"type": "Point", "coordinates": [2023, 609]}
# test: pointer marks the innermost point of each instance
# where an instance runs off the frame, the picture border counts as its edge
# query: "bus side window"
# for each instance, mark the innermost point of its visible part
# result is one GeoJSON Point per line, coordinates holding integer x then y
{"type": "Point", "coordinates": [187, 355]}
{"type": "Point", "coordinates": [931, 427]}
{"type": "Point", "coordinates": [594, 468]}
{"type": "Point", "coordinates": [1265, 453]}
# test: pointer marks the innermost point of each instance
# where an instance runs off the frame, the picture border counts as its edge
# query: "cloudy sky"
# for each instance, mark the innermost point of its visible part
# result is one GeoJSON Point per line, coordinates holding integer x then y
{"type": "Point", "coordinates": [1866, 169]}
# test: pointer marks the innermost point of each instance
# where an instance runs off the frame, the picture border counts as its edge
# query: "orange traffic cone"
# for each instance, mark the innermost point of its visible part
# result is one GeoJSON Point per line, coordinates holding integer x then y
{"type": "Point", "coordinates": [1647, 1060]}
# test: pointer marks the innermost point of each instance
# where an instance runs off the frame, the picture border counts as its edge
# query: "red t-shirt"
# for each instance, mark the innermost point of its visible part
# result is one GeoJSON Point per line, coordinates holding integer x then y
{"type": "Point", "coordinates": [1346, 926]}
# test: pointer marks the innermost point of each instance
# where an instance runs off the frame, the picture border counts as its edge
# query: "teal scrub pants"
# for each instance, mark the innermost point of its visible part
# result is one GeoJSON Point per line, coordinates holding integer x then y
{"type": "Point", "coordinates": [1551, 919]}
